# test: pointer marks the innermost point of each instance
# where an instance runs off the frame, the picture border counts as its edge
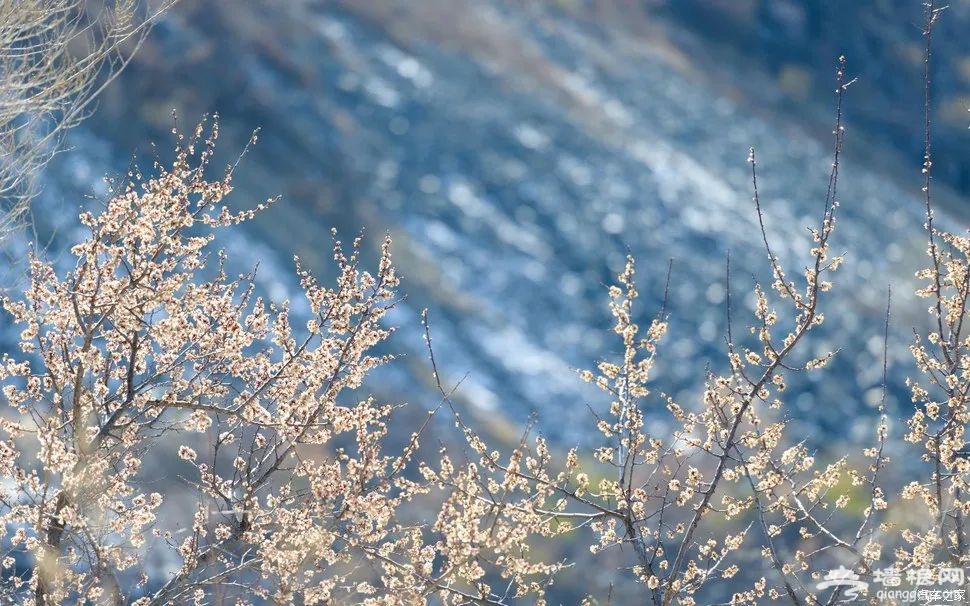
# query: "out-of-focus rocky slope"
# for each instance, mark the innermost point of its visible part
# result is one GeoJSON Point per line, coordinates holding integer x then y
{"type": "Point", "coordinates": [516, 151]}
{"type": "Point", "coordinates": [793, 43]}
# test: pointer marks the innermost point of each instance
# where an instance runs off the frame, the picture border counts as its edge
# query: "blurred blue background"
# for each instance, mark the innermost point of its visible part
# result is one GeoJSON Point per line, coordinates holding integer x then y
{"type": "Point", "coordinates": [517, 150]}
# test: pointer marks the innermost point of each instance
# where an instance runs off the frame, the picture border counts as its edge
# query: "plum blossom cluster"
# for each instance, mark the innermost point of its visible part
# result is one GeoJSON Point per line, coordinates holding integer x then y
{"type": "Point", "coordinates": [136, 361]}
{"type": "Point", "coordinates": [685, 511]}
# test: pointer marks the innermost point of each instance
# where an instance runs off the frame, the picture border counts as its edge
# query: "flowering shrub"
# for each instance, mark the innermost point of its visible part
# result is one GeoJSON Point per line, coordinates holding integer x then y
{"type": "Point", "coordinates": [129, 351]}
